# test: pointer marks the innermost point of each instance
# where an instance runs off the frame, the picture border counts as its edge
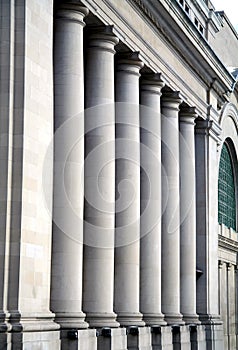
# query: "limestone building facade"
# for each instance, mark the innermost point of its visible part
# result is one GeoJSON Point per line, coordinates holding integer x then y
{"type": "Point", "coordinates": [119, 175]}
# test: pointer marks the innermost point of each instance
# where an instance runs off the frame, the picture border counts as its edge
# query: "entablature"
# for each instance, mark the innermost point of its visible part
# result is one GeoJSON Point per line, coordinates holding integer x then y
{"type": "Point", "coordinates": [191, 44]}
{"type": "Point", "coordinates": [169, 45]}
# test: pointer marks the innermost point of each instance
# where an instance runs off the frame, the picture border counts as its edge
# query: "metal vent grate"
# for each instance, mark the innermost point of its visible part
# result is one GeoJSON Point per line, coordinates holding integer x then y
{"type": "Point", "coordinates": [226, 191]}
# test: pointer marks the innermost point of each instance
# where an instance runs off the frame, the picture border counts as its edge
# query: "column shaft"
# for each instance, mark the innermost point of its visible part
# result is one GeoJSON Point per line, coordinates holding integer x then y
{"type": "Point", "coordinates": [206, 139]}
{"type": "Point", "coordinates": [99, 226]}
{"type": "Point", "coordinates": [127, 257]}
{"type": "Point", "coordinates": [66, 292]}
{"type": "Point", "coordinates": [187, 215]}
{"type": "Point", "coordinates": [170, 202]}
{"type": "Point", "coordinates": [231, 305]}
{"type": "Point", "coordinates": [150, 220]}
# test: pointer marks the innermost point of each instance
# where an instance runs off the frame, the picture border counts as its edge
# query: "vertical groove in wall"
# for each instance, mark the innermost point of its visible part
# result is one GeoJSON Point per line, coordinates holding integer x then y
{"type": "Point", "coordinates": [219, 287]}
{"type": "Point", "coordinates": [15, 155]}
{"type": "Point", "coordinates": [236, 303]}
{"type": "Point", "coordinates": [228, 306]}
{"type": "Point", "coordinates": [6, 70]}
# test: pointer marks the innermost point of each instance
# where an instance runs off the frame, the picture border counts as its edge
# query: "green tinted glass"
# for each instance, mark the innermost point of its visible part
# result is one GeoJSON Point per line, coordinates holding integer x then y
{"type": "Point", "coordinates": [226, 191]}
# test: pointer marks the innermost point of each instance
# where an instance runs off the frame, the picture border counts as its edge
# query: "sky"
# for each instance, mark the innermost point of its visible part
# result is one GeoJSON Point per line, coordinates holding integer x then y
{"type": "Point", "coordinates": [231, 9]}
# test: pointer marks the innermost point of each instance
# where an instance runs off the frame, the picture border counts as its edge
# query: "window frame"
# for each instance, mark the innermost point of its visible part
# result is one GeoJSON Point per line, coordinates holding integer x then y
{"type": "Point", "coordinates": [234, 164]}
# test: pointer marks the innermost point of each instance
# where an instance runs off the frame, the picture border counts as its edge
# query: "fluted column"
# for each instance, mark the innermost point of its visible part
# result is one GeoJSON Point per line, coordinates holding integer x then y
{"type": "Point", "coordinates": [150, 221]}
{"type": "Point", "coordinates": [187, 215]}
{"type": "Point", "coordinates": [66, 291]}
{"type": "Point", "coordinates": [99, 227]}
{"type": "Point", "coordinates": [170, 202]}
{"type": "Point", "coordinates": [127, 259]}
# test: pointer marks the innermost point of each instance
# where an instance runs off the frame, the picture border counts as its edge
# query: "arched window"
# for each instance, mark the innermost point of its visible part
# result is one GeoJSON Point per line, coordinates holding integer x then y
{"type": "Point", "coordinates": [226, 190]}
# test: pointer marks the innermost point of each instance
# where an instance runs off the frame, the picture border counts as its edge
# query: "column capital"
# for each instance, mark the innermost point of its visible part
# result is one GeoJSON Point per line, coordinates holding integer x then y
{"type": "Point", "coordinates": [208, 127]}
{"type": "Point", "coordinates": [72, 11]}
{"type": "Point", "coordinates": [220, 264]}
{"type": "Point", "coordinates": [103, 38]}
{"type": "Point", "coordinates": [187, 115]}
{"type": "Point", "coordinates": [171, 100]}
{"type": "Point", "coordinates": [130, 63]}
{"type": "Point", "coordinates": [152, 82]}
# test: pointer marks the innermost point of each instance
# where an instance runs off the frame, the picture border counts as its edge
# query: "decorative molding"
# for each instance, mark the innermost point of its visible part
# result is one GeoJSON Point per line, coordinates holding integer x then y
{"type": "Point", "coordinates": [227, 243]}
{"type": "Point", "coordinates": [205, 73]}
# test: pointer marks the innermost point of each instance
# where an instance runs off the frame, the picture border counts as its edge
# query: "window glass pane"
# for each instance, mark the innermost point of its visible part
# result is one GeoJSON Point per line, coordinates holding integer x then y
{"type": "Point", "coordinates": [226, 191]}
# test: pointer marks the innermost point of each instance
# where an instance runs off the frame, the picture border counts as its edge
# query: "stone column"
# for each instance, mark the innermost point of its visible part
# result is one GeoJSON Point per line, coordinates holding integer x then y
{"type": "Point", "coordinates": [236, 301]}
{"type": "Point", "coordinates": [206, 139]}
{"type": "Point", "coordinates": [127, 253]}
{"type": "Point", "coordinates": [6, 112]}
{"type": "Point", "coordinates": [231, 305]}
{"type": "Point", "coordinates": [170, 203]}
{"type": "Point", "coordinates": [187, 215]}
{"type": "Point", "coordinates": [223, 307]}
{"type": "Point", "coordinates": [220, 282]}
{"type": "Point", "coordinates": [99, 227]}
{"type": "Point", "coordinates": [66, 290]}
{"type": "Point", "coordinates": [150, 221]}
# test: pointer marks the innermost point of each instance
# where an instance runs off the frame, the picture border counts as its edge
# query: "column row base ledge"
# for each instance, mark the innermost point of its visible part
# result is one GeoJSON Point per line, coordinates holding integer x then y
{"type": "Point", "coordinates": [33, 326]}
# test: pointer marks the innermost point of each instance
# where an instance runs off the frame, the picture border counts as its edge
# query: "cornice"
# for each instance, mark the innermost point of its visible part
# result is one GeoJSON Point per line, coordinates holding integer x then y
{"type": "Point", "coordinates": [195, 51]}
{"type": "Point", "coordinates": [227, 243]}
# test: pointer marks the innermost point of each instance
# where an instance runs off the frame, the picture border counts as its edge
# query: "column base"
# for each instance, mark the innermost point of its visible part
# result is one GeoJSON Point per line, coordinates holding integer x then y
{"type": "Point", "coordinates": [69, 320]}
{"type": "Point", "coordinates": [100, 319]}
{"type": "Point", "coordinates": [30, 322]}
{"type": "Point", "coordinates": [130, 319]}
{"type": "Point", "coordinates": [214, 331]}
{"type": "Point", "coordinates": [154, 319]}
{"type": "Point", "coordinates": [207, 319]}
{"type": "Point", "coordinates": [174, 319]}
{"type": "Point", "coordinates": [191, 319]}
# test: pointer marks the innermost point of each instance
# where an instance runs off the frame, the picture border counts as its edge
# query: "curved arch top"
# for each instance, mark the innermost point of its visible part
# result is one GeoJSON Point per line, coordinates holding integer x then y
{"type": "Point", "coordinates": [229, 110]}
{"type": "Point", "coordinates": [229, 125]}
